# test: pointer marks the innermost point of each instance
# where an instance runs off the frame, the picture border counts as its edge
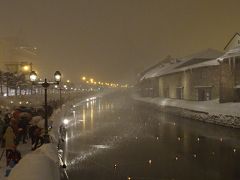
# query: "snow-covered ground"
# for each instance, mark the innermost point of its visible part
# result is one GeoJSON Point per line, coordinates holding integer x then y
{"type": "Point", "coordinates": [38, 165]}
{"type": "Point", "coordinates": [227, 114]}
{"type": "Point", "coordinates": [23, 148]}
{"type": "Point", "coordinates": [41, 163]}
{"type": "Point", "coordinates": [212, 107]}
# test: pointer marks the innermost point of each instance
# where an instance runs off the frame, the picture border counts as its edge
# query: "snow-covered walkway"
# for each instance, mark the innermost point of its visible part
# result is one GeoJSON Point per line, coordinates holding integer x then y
{"type": "Point", "coordinates": [226, 114]}
{"type": "Point", "coordinates": [23, 148]}
{"type": "Point", "coordinates": [212, 107]}
{"type": "Point", "coordinates": [41, 157]}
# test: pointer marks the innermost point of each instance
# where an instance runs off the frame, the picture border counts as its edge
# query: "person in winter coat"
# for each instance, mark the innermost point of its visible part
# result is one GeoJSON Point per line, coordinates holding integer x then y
{"type": "Point", "coordinates": [6, 119]}
{"type": "Point", "coordinates": [38, 134]}
{"type": "Point", "coordinates": [32, 133]}
{"type": "Point", "coordinates": [9, 138]}
{"type": "Point", "coordinates": [22, 129]}
{"type": "Point", "coordinates": [1, 129]}
{"type": "Point", "coordinates": [14, 125]}
{"type": "Point", "coordinates": [13, 158]}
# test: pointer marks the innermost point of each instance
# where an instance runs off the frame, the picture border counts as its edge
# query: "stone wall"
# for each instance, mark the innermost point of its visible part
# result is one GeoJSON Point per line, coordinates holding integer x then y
{"type": "Point", "coordinates": [227, 80]}
{"type": "Point", "coordinates": [149, 87]}
{"type": "Point", "coordinates": [189, 80]}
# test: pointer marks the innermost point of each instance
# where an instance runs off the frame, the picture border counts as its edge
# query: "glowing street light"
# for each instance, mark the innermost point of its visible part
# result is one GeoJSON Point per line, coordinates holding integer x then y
{"type": "Point", "coordinates": [65, 121]}
{"type": "Point", "coordinates": [26, 68]}
{"type": "Point", "coordinates": [84, 78]}
{"type": "Point", "coordinates": [33, 76]}
{"type": "Point", "coordinates": [57, 76]}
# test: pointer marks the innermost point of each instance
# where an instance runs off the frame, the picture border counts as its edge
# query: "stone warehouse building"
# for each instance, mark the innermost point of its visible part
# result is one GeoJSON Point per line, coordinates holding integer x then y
{"type": "Point", "coordinates": [209, 74]}
{"type": "Point", "coordinates": [230, 72]}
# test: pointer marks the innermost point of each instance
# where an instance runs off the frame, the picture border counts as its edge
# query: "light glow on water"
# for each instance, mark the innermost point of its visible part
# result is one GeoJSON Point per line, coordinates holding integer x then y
{"type": "Point", "coordinates": [100, 146]}
{"type": "Point", "coordinates": [84, 119]}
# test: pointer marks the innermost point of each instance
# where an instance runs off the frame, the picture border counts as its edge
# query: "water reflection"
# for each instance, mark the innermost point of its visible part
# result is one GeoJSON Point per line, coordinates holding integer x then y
{"type": "Point", "coordinates": [117, 131]}
{"type": "Point", "coordinates": [84, 119]}
{"type": "Point", "coordinates": [91, 117]}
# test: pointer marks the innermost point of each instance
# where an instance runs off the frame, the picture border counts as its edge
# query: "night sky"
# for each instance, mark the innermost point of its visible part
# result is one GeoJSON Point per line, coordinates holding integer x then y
{"type": "Point", "coordinates": [112, 40]}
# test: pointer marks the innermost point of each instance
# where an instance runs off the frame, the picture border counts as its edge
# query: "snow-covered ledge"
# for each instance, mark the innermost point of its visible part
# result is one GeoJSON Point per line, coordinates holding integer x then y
{"type": "Point", "coordinates": [38, 165]}
{"type": "Point", "coordinates": [226, 114]}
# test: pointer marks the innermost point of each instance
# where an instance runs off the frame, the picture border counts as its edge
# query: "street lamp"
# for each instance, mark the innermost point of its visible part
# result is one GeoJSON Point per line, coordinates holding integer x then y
{"type": "Point", "coordinates": [26, 68]}
{"type": "Point", "coordinates": [59, 86]}
{"type": "Point", "coordinates": [33, 76]}
{"type": "Point", "coordinates": [84, 78]}
{"type": "Point", "coordinates": [57, 76]}
{"type": "Point", "coordinates": [45, 84]}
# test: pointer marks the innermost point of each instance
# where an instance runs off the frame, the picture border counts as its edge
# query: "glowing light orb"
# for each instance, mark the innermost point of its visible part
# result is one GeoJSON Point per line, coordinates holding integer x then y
{"type": "Point", "coordinates": [65, 121]}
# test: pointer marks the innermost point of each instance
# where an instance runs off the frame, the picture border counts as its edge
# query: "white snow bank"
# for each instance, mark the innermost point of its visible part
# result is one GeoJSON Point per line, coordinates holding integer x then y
{"type": "Point", "coordinates": [212, 107]}
{"type": "Point", "coordinates": [38, 165]}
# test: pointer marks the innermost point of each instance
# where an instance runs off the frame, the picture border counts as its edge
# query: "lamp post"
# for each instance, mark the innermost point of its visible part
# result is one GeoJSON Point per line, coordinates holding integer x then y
{"type": "Point", "coordinates": [60, 96]}
{"type": "Point", "coordinates": [45, 84]}
{"type": "Point", "coordinates": [60, 93]}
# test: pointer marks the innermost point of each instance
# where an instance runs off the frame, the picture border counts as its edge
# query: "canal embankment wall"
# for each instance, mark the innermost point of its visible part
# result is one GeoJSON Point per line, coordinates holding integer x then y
{"type": "Point", "coordinates": [225, 114]}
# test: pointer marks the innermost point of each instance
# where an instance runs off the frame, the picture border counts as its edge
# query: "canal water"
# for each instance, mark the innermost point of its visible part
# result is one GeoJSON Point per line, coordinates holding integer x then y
{"type": "Point", "coordinates": [114, 138]}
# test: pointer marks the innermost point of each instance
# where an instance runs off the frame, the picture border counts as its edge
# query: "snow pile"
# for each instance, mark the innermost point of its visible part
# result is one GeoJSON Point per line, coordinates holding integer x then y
{"type": "Point", "coordinates": [38, 165]}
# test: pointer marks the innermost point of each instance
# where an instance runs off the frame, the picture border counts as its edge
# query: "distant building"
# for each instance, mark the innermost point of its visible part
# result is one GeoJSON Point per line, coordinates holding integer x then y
{"type": "Point", "coordinates": [230, 71]}
{"type": "Point", "coordinates": [16, 60]}
{"type": "Point", "coordinates": [194, 77]}
{"type": "Point", "coordinates": [209, 74]}
{"type": "Point", "coordinates": [16, 56]}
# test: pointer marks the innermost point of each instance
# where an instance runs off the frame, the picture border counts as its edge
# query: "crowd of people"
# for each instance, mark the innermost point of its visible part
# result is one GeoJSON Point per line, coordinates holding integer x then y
{"type": "Point", "coordinates": [21, 125]}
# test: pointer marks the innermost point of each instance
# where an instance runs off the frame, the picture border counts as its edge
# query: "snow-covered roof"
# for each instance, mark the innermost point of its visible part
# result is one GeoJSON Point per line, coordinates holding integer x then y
{"type": "Point", "coordinates": [231, 53]}
{"type": "Point", "coordinates": [154, 70]}
{"type": "Point", "coordinates": [213, 62]}
{"type": "Point", "coordinates": [204, 58]}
